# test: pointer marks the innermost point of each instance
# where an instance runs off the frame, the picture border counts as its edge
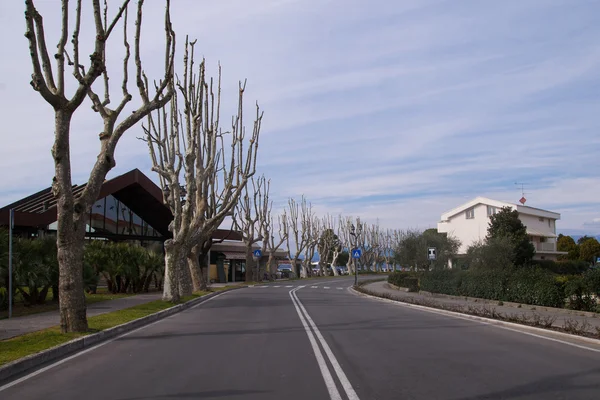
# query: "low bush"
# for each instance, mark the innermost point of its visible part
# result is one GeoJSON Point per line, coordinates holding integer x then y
{"type": "Point", "coordinates": [446, 281]}
{"type": "Point", "coordinates": [530, 286]}
{"type": "Point", "coordinates": [397, 278]}
{"type": "Point", "coordinates": [565, 267]}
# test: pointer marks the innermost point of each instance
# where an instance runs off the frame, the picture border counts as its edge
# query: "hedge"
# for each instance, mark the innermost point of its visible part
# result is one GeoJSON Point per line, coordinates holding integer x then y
{"type": "Point", "coordinates": [535, 286]}
{"type": "Point", "coordinates": [566, 267]}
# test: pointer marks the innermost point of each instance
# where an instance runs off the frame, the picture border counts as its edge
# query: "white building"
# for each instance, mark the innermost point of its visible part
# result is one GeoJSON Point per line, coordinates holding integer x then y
{"type": "Point", "coordinates": [469, 223]}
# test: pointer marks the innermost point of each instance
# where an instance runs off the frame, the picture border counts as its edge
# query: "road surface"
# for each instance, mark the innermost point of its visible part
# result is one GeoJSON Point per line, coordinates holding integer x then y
{"type": "Point", "coordinates": [315, 339]}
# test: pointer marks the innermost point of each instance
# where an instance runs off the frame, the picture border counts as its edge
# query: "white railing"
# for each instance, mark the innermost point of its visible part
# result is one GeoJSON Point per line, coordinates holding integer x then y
{"type": "Point", "coordinates": [546, 246]}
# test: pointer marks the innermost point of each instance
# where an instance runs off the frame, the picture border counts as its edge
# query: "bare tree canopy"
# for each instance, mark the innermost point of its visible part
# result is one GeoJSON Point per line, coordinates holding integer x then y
{"type": "Point", "coordinates": [247, 215]}
{"type": "Point", "coordinates": [203, 170]}
{"type": "Point", "coordinates": [50, 81]}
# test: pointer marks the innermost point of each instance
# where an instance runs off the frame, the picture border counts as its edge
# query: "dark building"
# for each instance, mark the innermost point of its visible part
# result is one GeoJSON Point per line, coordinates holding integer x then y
{"type": "Point", "coordinates": [129, 207]}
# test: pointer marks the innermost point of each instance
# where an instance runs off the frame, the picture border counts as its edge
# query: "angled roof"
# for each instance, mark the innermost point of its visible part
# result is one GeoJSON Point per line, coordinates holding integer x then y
{"type": "Point", "coordinates": [472, 203]}
{"type": "Point", "coordinates": [496, 203]}
{"type": "Point", "coordinates": [134, 189]}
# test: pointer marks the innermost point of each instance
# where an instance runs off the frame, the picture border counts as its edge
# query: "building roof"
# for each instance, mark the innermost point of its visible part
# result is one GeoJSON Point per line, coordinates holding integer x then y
{"type": "Point", "coordinates": [499, 204]}
{"type": "Point", "coordinates": [134, 189]}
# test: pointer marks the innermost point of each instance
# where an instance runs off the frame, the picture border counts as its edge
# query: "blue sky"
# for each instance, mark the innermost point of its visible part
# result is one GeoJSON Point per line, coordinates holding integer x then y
{"type": "Point", "coordinates": [397, 110]}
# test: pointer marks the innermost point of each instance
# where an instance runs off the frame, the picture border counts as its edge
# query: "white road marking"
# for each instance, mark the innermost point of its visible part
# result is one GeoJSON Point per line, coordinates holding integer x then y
{"type": "Point", "coordinates": [325, 287]}
{"type": "Point", "coordinates": [288, 286]}
{"type": "Point", "coordinates": [277, 286]}
{"type": "Point", "coordinates": [334, 394]}
{"type": "Point", "coordinates": [64, 360]}
{"type": "Point", "coordinates": [313, 287]}
{"type": "Point", "coordinates": [340, 288]}
{"type": "Point", "coordinates": [350, 393]}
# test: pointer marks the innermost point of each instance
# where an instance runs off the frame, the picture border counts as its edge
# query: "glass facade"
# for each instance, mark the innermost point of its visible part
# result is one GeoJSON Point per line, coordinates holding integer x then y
{"type": "Point", "coordinates": [110, 216]}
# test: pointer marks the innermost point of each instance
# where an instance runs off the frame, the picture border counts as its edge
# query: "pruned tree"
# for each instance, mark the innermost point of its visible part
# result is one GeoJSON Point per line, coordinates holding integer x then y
{"type": "Point", "coordinates": [296, 237]}
{"type": "Point", "coordinates": [246, 220]}
{"type": "Point", "coordinates": [347, 240]}
{"type": "Point", "coordinates": [328, 245]}
{"type": "Point", "coordinates": [51, 83]}
{"type": "Point", "coordinates": [310, 234]}
{"type": "Point", "coordinates": [270, 244]}
{"type": "Point", "coordinates": [186, 144]}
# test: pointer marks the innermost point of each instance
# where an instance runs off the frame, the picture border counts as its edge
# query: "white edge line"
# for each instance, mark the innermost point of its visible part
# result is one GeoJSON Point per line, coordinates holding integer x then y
{"type": "Point", "coordinates": [334, 362]}
{"type": "Point", "coordinates": [64, 360]}
{"type": "Point", "coordinates": [329, 382]}
{"type": "Point", "coordinates": [509, 326]}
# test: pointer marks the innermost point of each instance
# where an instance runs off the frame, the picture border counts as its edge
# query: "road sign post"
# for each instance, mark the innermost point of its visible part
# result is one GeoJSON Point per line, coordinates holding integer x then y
{"type": "Point", "coordinates": [356, 253]}
{"type": "Point", "coordinates": [256, 255]}
{"type": "Point", "coordinates": [431, 255]}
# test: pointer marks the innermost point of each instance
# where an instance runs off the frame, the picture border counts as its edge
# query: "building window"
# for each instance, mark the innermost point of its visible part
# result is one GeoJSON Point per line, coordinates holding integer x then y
{"type": "Point", "coordinates": [491, 210]}
{"type": "Point", "coordinates": [543, 239]}
{"type": "Point", "coordinates": [549, 223]}
{"type": "Point", "coordinates": [470, 213]}
{"type": "Point", "coordinates": [541, 219]}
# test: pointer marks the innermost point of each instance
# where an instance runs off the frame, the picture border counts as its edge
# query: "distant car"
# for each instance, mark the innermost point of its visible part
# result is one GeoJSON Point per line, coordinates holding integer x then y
{"type": "Point", "coordinates": [285, 267]}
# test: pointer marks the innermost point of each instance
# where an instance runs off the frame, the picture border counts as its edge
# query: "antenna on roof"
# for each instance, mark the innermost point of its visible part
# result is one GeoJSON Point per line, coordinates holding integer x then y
{"type": "Point", "coordinates": [522, 200]}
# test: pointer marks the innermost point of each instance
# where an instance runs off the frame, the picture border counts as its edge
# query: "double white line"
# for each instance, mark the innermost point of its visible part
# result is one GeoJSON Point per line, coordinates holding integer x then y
{"type": "Point", "coordinates": [306, 320]}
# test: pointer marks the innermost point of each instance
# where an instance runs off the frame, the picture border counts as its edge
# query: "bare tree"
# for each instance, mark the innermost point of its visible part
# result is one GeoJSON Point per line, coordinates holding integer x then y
{"type": "Point", "coordinates": [295, 236]}
{"type": "Point", "coordinates": [329, 244]}
{"type": "Point", "coordinates": [270, 244]}
{"type": "Point", "coordinates": [337, 246]}
{"type": "Point", "coordinates": [72, 209]}
{"type": "Point", "coordinates": [347, 240]}
{"type": "Point", "coordinates": [310, 234]}
{"type": "Point", "coordinates": [246, 220]}
{"type": "Point", "coordinates": [190, 142]}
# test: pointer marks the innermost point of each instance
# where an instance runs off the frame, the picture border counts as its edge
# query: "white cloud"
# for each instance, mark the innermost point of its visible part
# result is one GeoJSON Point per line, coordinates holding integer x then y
{"type": "Point", "coordinates": [389, 110]}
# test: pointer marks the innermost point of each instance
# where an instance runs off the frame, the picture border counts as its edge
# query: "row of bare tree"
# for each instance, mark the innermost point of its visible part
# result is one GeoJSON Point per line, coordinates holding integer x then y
{"type": "Point", "coordinates": [206, 173]}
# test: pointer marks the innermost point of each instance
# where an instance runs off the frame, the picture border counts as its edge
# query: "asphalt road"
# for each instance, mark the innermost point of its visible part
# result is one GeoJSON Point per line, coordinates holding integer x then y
{"type": "Point", "coordinates": [316, 340]}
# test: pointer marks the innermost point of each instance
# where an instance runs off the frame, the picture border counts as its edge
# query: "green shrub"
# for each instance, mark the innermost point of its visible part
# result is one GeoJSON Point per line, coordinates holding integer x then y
{"type": "Point", "coordinates": [577, 292]}
{"type": "Point", "coordinates": [412, 283]}
{"type": "Point", "coordinates": [520, 285]}
{"type": "Point", "coordinates": [397, 278]}
{"type": "Point", "coordinates": [564, 267]}
{"type": "Point", "coordinates": [442, 281]}
{"type": "Point", "coordinates": [486, 284]}
{"type": "Point", "coordinates": [534, 286]}
{"type": "Point", "coordinates": [592, 280]}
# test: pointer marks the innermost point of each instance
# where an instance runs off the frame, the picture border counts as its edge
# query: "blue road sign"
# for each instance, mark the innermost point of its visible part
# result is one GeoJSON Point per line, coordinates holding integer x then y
{"type": "Point", "coordinates": [356, 253]}
{"type": "Point", "coordinates": [257, 253]}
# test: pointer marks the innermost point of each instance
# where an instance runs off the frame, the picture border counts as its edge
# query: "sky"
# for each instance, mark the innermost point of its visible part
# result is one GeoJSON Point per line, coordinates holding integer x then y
{"type": "Point", "coordinates": [394, 111]}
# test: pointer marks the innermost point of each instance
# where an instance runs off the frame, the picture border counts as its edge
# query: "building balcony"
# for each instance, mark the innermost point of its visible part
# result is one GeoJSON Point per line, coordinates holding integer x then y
{"type": "Point", "coordinates": [545, 246]}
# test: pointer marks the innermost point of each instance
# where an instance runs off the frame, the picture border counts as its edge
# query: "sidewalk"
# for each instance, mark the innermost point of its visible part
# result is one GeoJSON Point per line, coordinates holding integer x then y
{"type": "Point", "coordinates": [35, 322]}
{"type": "Point", "coordinates": [563, 318]}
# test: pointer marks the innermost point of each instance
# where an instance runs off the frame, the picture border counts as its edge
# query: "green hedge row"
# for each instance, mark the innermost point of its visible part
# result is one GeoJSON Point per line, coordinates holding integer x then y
{"type": "Point", "coordinates": [405, 279]}
{"type": "Point", "coordinates": [566, 267]}
{"type": "Point", "coordinates": [534, 286]}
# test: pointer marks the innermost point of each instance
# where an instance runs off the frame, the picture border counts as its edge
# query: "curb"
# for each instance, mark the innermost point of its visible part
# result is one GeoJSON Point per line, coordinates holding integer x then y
{"type": "Point", "coordinates": [25, 364]}
{"type": "Point", "coordinates": [504, 324]}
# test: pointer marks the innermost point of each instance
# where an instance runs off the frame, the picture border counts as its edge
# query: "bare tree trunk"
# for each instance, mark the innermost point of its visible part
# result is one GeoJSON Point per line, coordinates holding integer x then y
{"type": "Point", "coordinates": [71, 295]}
{"type": "Point", "coordinates": [185, 286]}
{"type": "Point", "coordinates": [250, 265]}
{"type": "Point", "coordinates": [172, 255]}
{"type": "Point", "coordinates": [271, 265]}
{"type": "Point", "coordinates": [194, 267]}
{"type": "Point", "coordinates": [204, 264]}
{"type": "Point", "coordinates": [70, 233]}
